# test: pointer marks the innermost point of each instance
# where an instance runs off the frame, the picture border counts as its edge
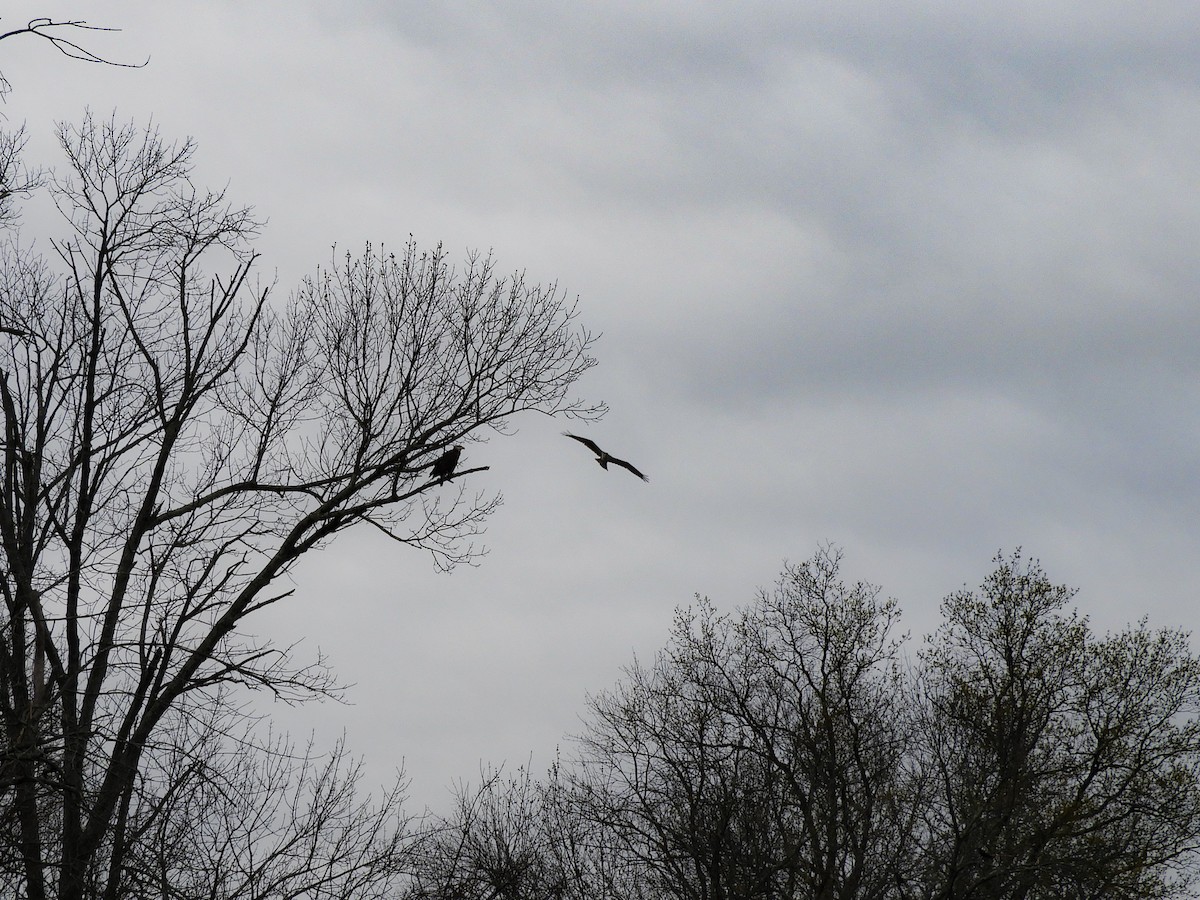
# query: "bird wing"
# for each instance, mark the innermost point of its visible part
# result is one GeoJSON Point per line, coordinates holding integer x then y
{"type": "Point", "coordinates": [591, 445]}
{"type": "Point", "coordinates": [629, 466]}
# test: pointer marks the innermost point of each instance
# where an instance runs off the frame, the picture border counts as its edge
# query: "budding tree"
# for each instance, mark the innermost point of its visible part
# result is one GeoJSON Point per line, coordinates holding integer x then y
{"type": "Point", "coordinates": [1059, 763]}
{"type": "Point", "coordinates": [174, 441]}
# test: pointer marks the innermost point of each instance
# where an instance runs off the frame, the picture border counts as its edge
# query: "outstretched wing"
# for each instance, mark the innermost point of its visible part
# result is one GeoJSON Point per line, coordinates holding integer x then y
{"type": "Point", "coordinates": [591, 445]}
{"type": "Point", "coordinates": [625, 465]}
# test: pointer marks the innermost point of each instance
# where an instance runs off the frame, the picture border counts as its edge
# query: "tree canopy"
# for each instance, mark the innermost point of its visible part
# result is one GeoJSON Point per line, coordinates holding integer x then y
{"type": "Point", "coordinates": [795, 748]}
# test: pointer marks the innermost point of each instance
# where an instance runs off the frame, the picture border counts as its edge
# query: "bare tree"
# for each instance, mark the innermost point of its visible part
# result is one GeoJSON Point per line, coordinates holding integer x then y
{"type": "Point", "coordinates": [242, 820]}
{"type": "Point", "coordinates": [15, 178]}
{"type": "Point", "coordinates": [675, 789]}
{"type": "Point", "coordinates": [1059, 764]}
{"type": "Point", "coordinates": [493, 846]}
{"type": "Point", "coordinates": [174, 443]}
{"type": "Point", "coordinates": [816, 681]}
{"type": "Point", "coordinates": [516, 838]}
{"type": "Point", "coordinates": [763, 754]}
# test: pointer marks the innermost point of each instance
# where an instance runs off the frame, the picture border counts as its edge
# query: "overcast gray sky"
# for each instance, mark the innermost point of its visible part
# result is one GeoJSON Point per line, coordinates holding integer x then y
{"type": "Point", "coordinates": [919, 279]}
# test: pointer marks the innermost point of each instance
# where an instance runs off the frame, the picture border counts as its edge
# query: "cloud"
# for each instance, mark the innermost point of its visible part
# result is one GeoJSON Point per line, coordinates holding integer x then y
{"type": "Point", "coordinates": [916, 278]}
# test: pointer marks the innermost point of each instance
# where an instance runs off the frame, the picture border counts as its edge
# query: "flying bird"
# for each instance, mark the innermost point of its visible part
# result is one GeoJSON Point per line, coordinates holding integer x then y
{"type": "Point", "coordinates": [603, 457]}
{"type": "Point", "coordinates": [444, 467]}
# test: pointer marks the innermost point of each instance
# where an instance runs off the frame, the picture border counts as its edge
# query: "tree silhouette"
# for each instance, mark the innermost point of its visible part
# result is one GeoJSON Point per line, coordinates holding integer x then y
{"type": "Point", "coordinates": [174, 441]}
{"type": "Point", "coordinates": [1059, 763]}
{"type": "Point", "coordinates": [790, 749]}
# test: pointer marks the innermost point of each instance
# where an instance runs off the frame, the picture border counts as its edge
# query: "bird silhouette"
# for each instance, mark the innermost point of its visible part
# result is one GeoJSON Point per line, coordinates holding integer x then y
{"type": "Point", "coordinates": [443, 468]}
{"type": "Point", "coordinates": [603, 457]}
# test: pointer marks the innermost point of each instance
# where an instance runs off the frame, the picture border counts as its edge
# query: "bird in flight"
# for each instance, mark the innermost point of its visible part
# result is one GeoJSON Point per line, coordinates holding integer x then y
{"type": "Point", "coordinates": [603, 457]}
{"type": "Point", "coordinates": [443, 468]}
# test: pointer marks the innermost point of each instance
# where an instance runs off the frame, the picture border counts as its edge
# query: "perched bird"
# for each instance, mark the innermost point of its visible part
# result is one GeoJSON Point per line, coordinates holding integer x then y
{"type": "Point", "coordinates": [444, 467]}
{"type": "Point", "coordinates": [605, 458]}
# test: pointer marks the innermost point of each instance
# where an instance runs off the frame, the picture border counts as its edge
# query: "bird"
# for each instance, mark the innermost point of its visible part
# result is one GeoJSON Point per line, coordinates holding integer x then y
{"type": "Point", "coordinates": [604, 458]}
{"type": "Point", "coordinates": [443, 468]}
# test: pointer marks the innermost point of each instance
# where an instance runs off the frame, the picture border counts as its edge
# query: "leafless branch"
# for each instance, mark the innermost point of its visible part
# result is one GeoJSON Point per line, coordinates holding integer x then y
{"type": "Point", "coordinates": [51, 30]}
{"type": "Point", "coordinates": [173, 443]}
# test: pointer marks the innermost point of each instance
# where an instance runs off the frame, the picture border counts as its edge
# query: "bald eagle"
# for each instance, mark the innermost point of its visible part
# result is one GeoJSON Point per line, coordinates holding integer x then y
{"type": "Point", "coordinates": [444, 467]}
{"type": "Point", "coordinates": [604, 458]}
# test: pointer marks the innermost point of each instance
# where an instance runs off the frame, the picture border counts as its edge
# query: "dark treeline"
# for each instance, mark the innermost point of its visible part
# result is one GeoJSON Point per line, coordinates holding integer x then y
{"type": "Point", "coordinates": [792, 750]}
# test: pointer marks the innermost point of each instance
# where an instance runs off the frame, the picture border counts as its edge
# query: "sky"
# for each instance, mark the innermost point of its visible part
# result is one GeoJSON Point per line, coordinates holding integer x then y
{"type": "Point", "coordinates": [918, 280]}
